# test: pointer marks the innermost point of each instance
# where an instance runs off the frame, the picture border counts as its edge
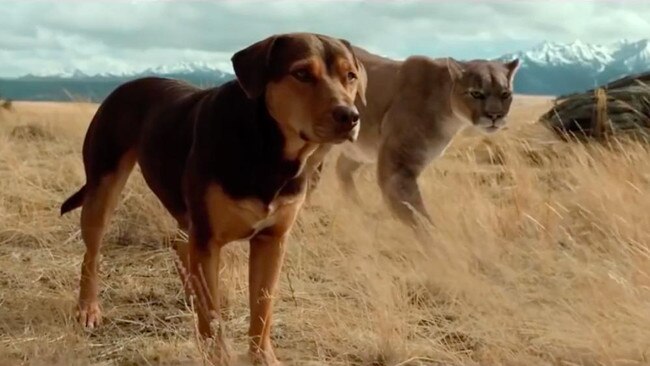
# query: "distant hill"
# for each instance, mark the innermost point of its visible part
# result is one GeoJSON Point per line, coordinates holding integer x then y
{"type": "Point", "coordinates": [77, 85]}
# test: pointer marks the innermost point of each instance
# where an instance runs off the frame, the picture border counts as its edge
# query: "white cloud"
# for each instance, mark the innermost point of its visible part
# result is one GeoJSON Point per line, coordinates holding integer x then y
{"type": "Point", "coordinates": [116, 36]}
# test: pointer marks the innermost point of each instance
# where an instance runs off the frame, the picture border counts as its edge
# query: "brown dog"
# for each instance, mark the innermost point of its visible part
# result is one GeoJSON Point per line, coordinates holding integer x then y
{"type": "Point", "coordinates": [228, 163]}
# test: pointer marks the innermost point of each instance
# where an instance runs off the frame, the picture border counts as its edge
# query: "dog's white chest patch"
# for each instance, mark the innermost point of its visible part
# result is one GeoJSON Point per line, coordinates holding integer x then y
{"type": "Point", "coordinates": [269, 216]}
{"type": "Point", "coordinates": [263, 224]}
{"type": "Point", "coordinates": [256, 215]}
{"type": "Point", "coordinates": [240, 219]}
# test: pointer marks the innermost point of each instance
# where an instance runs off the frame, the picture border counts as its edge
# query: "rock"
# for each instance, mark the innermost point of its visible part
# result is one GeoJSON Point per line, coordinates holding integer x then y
{"type": "Point", "coordinates": [622, 106]}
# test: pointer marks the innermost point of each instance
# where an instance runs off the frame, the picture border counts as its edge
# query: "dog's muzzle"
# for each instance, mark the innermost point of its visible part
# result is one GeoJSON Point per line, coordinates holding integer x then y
{"type": "Point", "coordinates": [354, 133]}
{"type": "Point", "coordinates": [347, 118]}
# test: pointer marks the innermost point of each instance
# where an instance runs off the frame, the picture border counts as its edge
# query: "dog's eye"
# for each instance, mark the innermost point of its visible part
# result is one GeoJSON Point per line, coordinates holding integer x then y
{"type": "Point", "coordinates": [352, 76]}
{"type": "Point", "coordinates": [477, 94]}
{"type": "Point", "coordinates": [506, 95]}
{"type": "Point", "coordinates": [302, 75]}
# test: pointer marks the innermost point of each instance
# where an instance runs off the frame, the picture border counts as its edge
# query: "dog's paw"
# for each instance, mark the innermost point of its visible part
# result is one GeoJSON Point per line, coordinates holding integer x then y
{"type": "Point", "coordinates": [89, 315]}
{"type": "Point", "coordinates": [264, 359]}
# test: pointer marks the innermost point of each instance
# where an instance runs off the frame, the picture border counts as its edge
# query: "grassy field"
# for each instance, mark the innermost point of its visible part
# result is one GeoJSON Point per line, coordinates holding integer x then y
{"type": "Point", "coordinates": [540, 257]}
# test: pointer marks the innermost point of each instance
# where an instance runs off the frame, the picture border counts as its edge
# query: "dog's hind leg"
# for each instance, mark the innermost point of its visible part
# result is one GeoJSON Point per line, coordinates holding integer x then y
{"type": "Point", "coordinates": [100, 199]}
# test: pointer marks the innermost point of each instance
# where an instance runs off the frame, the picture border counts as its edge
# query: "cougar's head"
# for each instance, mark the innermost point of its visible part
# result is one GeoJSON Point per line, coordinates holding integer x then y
{"type": "Point", "coordinates": [483, 91]}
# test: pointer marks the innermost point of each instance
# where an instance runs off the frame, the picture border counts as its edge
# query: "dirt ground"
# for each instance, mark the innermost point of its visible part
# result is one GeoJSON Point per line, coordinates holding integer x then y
{"type": "Point", "coordinates": [540, 257]}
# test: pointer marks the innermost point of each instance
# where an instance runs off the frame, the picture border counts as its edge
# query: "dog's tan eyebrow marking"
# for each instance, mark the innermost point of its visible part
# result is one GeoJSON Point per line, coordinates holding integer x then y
{"type": "Point", "coordinates": [304, 63]}
{"type": "Point", "coordinates": [313, 64]}
{"type": "Point", "coordinates": [301, 64]}
{"type": "Point", "coordinates": [343, 65]}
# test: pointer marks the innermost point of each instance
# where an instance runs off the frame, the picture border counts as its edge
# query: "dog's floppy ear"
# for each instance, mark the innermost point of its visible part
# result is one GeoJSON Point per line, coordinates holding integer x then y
{"type": "Point", "coordinates": [362, 76]}
{"type": "Point", "coordinates": [251, 66]}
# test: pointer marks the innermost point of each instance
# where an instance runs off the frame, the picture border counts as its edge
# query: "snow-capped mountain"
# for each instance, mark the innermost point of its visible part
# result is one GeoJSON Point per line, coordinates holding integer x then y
{"type": "Point", "coordinates": [561, 68]}
{"type": "Point", "coordinates": [63, 84]}
{"type": "Point", "coordinates": [558, 54]}
{"type": "Point", "coordinates": [631, 57]}
{"type": "Point", "coordinates": [181, 68]}
{"type": "Point", "coordinates": [548, 69]}
{"type": "Point", "coordinates": [184, 68]}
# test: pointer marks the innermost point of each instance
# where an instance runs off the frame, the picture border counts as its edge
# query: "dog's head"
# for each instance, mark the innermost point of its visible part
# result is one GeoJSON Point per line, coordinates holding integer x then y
{"type": "Point", "coordinates": [309, 82]}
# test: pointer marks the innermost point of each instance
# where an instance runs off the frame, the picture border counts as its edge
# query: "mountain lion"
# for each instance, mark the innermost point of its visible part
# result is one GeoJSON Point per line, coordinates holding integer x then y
{"type": "Point", "coordinates": [413, 110]}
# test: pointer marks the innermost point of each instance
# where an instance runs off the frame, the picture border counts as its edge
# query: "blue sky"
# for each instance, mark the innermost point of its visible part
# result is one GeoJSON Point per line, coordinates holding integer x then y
{"type": "Point", "coordinates": [122, 36]}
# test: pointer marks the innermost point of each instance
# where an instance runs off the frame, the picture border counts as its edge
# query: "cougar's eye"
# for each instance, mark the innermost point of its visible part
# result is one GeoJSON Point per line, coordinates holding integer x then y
{"type": "Point", "coordinates": [477, 94]}
{"type": "Point", "coordinates": [352, 76]}
{"type": "Point", "coordinates": [302, 75]}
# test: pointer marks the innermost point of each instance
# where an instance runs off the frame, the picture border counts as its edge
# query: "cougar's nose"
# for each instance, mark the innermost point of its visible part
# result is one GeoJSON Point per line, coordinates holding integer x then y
{"type": "Point", "coordinates": [494, 116]}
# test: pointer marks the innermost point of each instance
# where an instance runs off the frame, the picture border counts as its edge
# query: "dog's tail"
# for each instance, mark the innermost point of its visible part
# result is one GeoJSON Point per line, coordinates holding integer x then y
{"type": "Point", "coordinates": [74, 201]}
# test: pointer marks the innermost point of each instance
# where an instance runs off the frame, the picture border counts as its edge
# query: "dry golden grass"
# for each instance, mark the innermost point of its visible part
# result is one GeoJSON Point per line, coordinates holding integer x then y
{"type": "Point", "coordinates": [540, 257]}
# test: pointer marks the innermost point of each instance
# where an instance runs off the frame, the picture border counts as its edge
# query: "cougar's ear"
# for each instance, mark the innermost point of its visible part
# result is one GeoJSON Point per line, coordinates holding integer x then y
{"type": "Point", "coordinates": [252, 66]}
{"type": "Point", "coordinates": [362, 76]}
{"type": "Point", "coordinates": [512, 67]}
{"type": "Point", "coordinates": [456, 69]}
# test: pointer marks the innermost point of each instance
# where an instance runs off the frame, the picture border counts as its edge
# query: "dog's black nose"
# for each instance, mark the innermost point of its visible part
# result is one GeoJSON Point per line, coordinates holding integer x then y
{"type": "Point", "coordinates": [345, 115]}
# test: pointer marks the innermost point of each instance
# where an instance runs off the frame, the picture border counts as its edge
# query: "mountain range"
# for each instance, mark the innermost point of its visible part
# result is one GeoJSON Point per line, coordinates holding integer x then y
{"type": "Point", "coordinates": [560, 68]}
{"type": "Point", "coordinates": [76, 85]}
{"type": "Point", "coordinates": [547, 69]}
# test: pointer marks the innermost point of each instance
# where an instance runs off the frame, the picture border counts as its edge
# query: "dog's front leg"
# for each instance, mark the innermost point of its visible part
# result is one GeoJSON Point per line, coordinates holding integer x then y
{"type": "Point", "coordinates": [265, 263]}
{"type": "Point", "coordinates": [201, 280]}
